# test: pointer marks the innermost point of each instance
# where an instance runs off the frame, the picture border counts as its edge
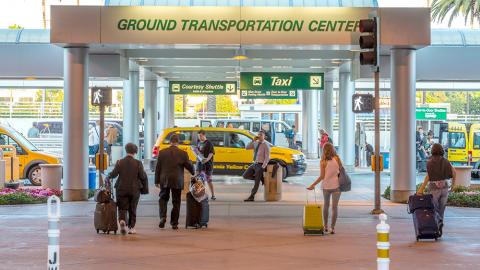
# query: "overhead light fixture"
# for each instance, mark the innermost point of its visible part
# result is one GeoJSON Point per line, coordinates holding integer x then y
{"type": "Point", "coordinates": [142, 60]}
{"type": "Point", "coordinates": [316, 67]}
{"type": "Point", "coordinates": [240, 54]}
{"type": "Point", "coordinates": [336, 62]}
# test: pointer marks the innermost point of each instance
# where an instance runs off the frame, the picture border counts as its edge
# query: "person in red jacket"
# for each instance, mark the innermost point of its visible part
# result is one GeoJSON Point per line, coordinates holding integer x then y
{"type": "Point", "coordinates": [324, 138]}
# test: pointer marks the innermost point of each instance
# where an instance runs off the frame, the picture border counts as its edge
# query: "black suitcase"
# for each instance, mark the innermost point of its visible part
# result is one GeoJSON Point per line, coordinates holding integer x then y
{"type": "Point", "coordinates": [197, 212]}
{"type": "Point", "coordinates": [105, 217]}
{"type": "Point", "coordinates": [425, 222]}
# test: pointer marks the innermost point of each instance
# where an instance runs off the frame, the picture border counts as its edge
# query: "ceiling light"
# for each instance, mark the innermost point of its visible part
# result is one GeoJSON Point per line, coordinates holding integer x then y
{"type": "Point", "coordinates": [257, 66]}
{"type": "Point", "coordinates": [240, 54]}
{"type": "Point", "coordinates": [142, 60]}
{"type": "Point", "coordinates": [336, 62]}
{"type": "Point", "coordinates": [316, 67]}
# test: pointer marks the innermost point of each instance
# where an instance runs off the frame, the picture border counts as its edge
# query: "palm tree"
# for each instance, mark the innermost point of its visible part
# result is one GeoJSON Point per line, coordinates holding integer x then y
{"type": "Point", "coordinates": [470, 9]}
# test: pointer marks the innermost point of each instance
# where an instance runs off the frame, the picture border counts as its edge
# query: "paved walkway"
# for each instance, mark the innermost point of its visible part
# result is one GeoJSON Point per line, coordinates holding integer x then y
{"type": "Point", "coordinates": [256, 235]}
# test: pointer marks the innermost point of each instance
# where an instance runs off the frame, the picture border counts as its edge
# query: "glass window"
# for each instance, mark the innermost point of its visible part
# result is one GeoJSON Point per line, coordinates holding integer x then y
{"type": "Point", "coordinates": [456, 140]}
{"type": "Point", "coordinates": [220, 124]}
{"type": "Point", "coordinates": [476, 140]}
{"type": "Point", "coordinates": [267, 127]}
{"type": "Point", "coordinates": [280, 128]}
{"type": "Point", "coordinates": [240, 125]}
{"type": "Point", "coordinates": [256, 127]}
{"type": "Point", "coordinates": [238, 140]}
{"type": "Point", "coordinates": [289, 118]}
{"type": "Point", "coordinates": [266, 116]}
{"type": "Point", "coordinates": [185, 137]}
{"type": "Point", "coordinates": [7, 140]}
{"type": "Point", "coordinates": [216, 137]}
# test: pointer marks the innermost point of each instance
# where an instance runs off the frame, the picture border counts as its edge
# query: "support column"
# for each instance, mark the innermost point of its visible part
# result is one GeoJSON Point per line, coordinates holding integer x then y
{"type": "Point", "coordinates": [131, 108]}
{"type": "Point", "coordinates": [150, 120]}
{"type": "Point", "coordinates": [311, 99]}
{"type": "Point", "coordinates": [326, 108]}
{"type": "Point", "coordinates": [162, 108]}
{"type": "Point", "coordinates": [75, 124]}
{"type": "Point", "coordinates": [402, 153]}
{"type": "Point", "coordinates": [346, 133]}
{"type": "Point", "coordinates": [304, 99]}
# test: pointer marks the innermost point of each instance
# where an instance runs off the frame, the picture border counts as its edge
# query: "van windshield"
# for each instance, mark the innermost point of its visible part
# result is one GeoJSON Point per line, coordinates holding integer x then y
{"type": "Point", "coordinates": [17, 136]}
{"type": "Point", "coordinates": [476, 140]}
{"type": "Point", "coordinates": [456, 140]}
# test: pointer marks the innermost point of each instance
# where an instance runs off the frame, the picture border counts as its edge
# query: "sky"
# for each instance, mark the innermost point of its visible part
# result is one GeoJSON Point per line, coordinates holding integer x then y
{"type": "Point", "coordinates": [28, 13]}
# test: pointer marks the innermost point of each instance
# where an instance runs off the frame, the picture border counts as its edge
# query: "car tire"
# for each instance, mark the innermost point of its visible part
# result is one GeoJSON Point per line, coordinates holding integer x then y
{"type": "Point", "coordinates": [34, 175]}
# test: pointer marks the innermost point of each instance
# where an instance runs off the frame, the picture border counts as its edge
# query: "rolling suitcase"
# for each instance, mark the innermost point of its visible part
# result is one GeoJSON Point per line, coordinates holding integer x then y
{"type": "Point", "coordinates": [198, 213]}
{"type": "Point", "coordinates": [425, 219]}
{"type": "Point", "coordinates": [105, 217]}
{"type": "Point", "coordinates": [313, 218]}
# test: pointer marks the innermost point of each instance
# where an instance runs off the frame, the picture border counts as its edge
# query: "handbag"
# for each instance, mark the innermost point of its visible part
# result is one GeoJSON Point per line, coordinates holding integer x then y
{"type": "Point", "coordinates": [345, 183]}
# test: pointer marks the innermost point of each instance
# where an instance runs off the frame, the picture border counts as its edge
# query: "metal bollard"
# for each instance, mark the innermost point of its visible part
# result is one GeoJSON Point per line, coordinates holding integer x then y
{"type": "Point", "coordinates": [53, 262]}
{"type": "Point", "coordinates": [383, 244]}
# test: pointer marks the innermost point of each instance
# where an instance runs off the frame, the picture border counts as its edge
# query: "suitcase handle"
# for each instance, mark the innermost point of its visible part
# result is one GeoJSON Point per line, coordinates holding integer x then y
{"type": "Point", "coordinates": [315, 195]}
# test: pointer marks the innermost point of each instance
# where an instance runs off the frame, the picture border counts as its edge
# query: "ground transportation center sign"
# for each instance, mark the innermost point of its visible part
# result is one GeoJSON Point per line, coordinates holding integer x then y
{"type": "Point", "coordinates": [230, 25]}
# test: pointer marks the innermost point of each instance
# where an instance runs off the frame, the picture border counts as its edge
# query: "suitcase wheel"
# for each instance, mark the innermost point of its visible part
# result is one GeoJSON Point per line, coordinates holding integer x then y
{"type": "Point", "coordinates": [104, 232]}
{"type": "Point", "coordinates": [98, 231]}
{"type": "Point", "coordinates": [418, 238]}
{"type": "Point", "coordinates": [108, 232]}
{"type": "Point", "coordinates": [115, 232]}
{"type": "Point", "coordinates": [206, 225]}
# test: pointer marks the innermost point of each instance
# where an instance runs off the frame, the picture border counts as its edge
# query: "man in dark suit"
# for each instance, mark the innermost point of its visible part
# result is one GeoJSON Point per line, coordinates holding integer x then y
{"type": "Point", "coordinates": [169, 178]}
{"type": "Point", "coordinates": [131, 179]}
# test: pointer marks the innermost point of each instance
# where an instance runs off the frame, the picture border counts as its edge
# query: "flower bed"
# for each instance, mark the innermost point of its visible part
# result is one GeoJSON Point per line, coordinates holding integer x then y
{"type": "Point", "coordinates": [10, 196]}
{"type": "Point", "coordinates": [459, 196]}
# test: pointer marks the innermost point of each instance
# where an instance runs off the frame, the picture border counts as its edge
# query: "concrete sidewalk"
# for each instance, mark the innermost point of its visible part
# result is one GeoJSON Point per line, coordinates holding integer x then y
{"type": "Point", "coordinates": [240, 236]}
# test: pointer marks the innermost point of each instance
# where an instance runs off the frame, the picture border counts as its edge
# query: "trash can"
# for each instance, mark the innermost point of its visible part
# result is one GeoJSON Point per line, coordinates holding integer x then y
{"type": "Point", "coordinates": [272, 180]}
{"type": "Point", "coordinates": [92, 177]}
{"type": "Point", "coordinates": [51, 175]}
{"type": "Point", "coordinates": [116, 153]}
{"type": "Point", "coordinates": [386, 159]}
{"type": "Point", "coordinates": [464, 175]}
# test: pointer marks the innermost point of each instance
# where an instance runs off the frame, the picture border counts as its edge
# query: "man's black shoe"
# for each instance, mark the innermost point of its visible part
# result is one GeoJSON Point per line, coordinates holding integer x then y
{"type": "Point", "coordinates": [175, 227]}
{"type": "Point", "coordinates": [162, 224]}
{"type": "Point", "coordinates": [249, 199]}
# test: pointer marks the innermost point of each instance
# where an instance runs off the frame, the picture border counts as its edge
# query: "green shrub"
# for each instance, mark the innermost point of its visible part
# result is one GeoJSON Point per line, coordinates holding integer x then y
{"type": "Point", "coordinates": [459, 196]}
{"type": "Point", "coordinates": [20, 198]}
{"type": "Point", "coordinates": [464, 199]}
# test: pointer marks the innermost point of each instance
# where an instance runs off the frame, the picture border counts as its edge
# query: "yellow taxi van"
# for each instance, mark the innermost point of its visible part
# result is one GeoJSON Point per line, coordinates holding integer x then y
{"type": "Point", "coordinates": [29, 157]}
{"type": "Point", "coordinates": [231, 157]}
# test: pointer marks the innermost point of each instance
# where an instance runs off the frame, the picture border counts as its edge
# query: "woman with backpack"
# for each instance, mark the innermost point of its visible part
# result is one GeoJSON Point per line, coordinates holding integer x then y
{"type": "Point", "coordinates": [330, 166]}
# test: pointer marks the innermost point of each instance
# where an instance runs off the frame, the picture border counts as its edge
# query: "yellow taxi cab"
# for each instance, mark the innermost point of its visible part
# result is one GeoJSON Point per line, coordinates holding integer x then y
{"type": "Point", "coordinates": [28, 155]}
{"type": "Point", "coordinates": [474, 143]}
{"type": "Point", "coordinates": [231, 157]}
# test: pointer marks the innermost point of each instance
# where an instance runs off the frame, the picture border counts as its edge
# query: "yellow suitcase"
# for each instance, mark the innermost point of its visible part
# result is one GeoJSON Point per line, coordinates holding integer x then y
{"type": "Point", "coordinates": [312, 218]}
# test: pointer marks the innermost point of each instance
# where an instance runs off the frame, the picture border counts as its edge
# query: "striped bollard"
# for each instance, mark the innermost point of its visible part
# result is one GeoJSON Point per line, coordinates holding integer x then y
{"type": "Point", "coordinates": [383, 245]}
{"type": "Point", "coordinates": [53, 262]}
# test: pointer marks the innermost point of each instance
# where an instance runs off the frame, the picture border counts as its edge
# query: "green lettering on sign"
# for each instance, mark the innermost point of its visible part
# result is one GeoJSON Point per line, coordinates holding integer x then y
{"type": "Point", "coordinates": [268, 94]}
{"type": "Point", "coordinates": [202, 88]}
{"type": "Point", "coordinates": [431, 114]}
{"type": "Point", "coordinates": [281, 81]}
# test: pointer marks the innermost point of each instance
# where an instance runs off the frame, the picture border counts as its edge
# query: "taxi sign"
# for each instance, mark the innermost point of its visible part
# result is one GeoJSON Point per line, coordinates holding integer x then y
{"type": "Point", "coordinates": [363, 103]}
{"type": "Point", "coordinates": [101, 96]}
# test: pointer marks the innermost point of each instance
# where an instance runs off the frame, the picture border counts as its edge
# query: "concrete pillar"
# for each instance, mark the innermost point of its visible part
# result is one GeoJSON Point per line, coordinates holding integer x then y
{"type": "Point", "coordinates": [326, 108]}
{"type": "Point", "coordinates": [402, 153]}
{"type": "Point", "coordinates": [311, 109]}
{"type": "Point", "coordinates": [75, 124]}
{"type": "Point", "coordinates": [150, 119]}
{"type": "Point", "coordinates": [163, 101]}
{"type": "Point", "coordinates": [131, 108]}
{"type": "Point", "coordinates": [346, 132]}
{"type": "Point", "coordinates": [304, 99]}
